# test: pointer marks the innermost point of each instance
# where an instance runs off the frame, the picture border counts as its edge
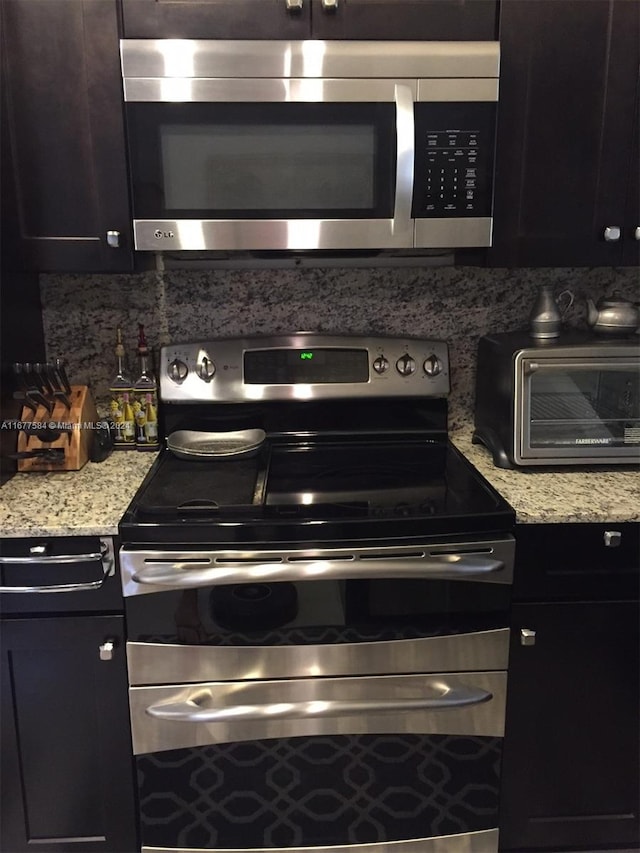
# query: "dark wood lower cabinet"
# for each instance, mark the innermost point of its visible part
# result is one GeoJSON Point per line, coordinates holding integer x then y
{"type": "Point", "coordinates": [67, 775]}
{"type": "Point", "coordinates": [571, 765]}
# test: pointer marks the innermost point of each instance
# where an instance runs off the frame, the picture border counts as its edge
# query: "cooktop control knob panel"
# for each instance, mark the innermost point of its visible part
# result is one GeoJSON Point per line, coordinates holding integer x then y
{"type": "Point", "coordinates": [303, 366]}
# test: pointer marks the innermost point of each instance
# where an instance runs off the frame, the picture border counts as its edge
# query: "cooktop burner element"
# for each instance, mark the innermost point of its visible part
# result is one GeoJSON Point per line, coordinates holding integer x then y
{"type": "Point", "coordinates": [355, 446]}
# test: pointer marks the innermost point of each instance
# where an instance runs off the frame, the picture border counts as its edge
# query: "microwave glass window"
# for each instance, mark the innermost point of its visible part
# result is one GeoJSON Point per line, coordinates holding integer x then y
{"type": "Point", "coordinates": [599, 406]}
{"type": "Point", "coordinates": [225, 167]}
{"type": "Point", "coordinates": [262, 161]}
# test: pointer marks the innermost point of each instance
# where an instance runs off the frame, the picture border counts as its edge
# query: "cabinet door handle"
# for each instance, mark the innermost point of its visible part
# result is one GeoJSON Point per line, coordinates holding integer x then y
{"type": "Point", "coordinates": [612, 233]}
{"type": "Point", "coordinates": [113, 239]}
{"type": "Point", "coordinates": [106, 649]}
{"type": "Point", "coordinates": [612, 538]}
{"type": "Point", "coordinates": [330, 5]}
{"type": "Point", "coordinates": [636, 233]}
{"type": "Point", "coordinates": [294, 5]}
{"type": "Point", "coordinates": [527, 637]}
{"type": "Point", "coordinates": [105, 557]}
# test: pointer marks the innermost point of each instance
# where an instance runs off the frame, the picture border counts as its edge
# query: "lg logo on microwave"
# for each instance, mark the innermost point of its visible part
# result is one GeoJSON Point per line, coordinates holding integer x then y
{"type": "Point", "coordinates": [160, 235]}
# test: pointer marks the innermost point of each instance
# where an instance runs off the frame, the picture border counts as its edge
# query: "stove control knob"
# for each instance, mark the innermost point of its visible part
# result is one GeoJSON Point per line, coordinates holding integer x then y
{"type": "Point", "coordinates": [380, 365]}
{"type": "Point", "coordinates": [432, 366]}
{"type": "Point", "coordinates": [178, 371]}
{"type": "Point", "coordinates": [405, 365]}
{"type": "Point", "coordinates": [206, 369]}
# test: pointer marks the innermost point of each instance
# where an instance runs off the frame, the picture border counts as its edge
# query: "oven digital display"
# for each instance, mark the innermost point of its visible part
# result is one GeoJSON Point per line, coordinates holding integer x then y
{"type": "Point", "coordinates": [305, 366]}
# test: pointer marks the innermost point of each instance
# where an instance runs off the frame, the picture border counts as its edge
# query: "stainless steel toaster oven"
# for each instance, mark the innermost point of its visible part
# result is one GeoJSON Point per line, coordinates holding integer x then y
{"type": "Point", "coordinates": [571, 401]}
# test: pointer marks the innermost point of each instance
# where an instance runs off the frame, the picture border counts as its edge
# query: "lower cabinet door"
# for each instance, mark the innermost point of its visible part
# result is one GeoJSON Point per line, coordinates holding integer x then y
{"type": "Point", "coordinates": [571, 759]}
{"type": "Point", "coordinates": [66, 762]}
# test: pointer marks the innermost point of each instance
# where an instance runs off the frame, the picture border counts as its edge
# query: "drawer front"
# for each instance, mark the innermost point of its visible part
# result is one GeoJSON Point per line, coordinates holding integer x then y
{"type": "Point", "coordinates": [577, 562]}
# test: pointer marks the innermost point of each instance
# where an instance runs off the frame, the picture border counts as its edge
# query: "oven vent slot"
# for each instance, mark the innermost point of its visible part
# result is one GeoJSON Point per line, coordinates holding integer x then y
{"type": "Point", "coordinates": [394, 555]}
{"type": "Point", "coordinates": [245, 561]}
{"type": "Point", "coordinates": [437, 552]}
{"type": "Point", "coordinates": [335, 558]}
{"type": "Point", "coordinates": [172, 561]}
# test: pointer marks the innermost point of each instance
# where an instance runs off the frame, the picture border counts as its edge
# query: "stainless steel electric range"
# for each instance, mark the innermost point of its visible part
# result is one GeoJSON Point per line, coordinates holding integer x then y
{"type": "Point", "coordinates": [317, 590]}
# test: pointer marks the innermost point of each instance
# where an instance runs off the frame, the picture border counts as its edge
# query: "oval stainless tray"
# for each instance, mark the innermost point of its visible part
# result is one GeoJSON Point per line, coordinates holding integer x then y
{"type": "Point", "coordinates": [192, 444]}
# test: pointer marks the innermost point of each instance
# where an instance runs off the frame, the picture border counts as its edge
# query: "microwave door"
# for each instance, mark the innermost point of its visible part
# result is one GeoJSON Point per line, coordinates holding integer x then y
{"type": "Point", "coordinates": [568, 408]}
{"type": "Point", "coordinates": [271, 164]}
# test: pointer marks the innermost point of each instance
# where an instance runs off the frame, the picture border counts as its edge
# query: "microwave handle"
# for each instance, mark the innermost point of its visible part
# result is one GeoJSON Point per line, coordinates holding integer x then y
{"type": "Point", "coordinates": [405, 140]}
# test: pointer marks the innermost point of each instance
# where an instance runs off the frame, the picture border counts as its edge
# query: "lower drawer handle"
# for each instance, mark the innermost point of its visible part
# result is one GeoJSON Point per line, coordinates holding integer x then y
{"type": "Point", "coordinates": [191, 710]}
{"type": "Point", "coordinates": [106, 558]}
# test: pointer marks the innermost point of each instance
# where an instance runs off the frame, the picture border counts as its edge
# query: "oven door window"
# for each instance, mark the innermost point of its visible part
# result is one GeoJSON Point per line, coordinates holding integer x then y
{"type": "Point", "coordinates": [581, 408]}
{"type": "Point", "coordinates": [262, 160]}
{"type": "Point", "coordinates": [312, 613]}
{"type": "Point", "coordinates": [323, 792]}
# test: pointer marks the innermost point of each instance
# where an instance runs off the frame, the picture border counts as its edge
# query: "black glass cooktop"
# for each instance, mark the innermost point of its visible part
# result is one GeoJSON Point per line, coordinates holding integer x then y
{"type": "Point", "coordinates": [325, 489]}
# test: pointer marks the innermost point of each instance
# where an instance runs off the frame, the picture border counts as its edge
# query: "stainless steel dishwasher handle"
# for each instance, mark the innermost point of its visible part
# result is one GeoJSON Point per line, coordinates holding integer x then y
{"type": "Point", "coordinates": [105, 557]}
{"type": "Point", "coordinates": [191, 710]}
{"type": "Point", "coordinates": [184, 575]}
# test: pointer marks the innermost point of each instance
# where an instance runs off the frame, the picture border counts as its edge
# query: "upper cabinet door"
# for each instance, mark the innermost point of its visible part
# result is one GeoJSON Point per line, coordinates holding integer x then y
{"type": "Point", "coordinates": [319, 19]}
{"type": "Point", "coordinates": [631, 235]}
{"type": "Point", "coordinates": [65, 126]}
{"type": "Point", "coordinates": [429, 20]}
{"type": "Point", "coordinates": [568, 94]}
{"type": "Point", "coordinates": [221, 19]}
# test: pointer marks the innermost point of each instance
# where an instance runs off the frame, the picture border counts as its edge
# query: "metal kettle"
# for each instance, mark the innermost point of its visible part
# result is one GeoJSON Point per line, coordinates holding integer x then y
{"type": "Point", "coordinates": [613, 316]}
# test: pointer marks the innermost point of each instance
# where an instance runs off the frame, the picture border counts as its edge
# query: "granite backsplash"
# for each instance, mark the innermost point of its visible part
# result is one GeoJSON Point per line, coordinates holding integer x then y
{"type": "Point", "coordinates": [455, 304]}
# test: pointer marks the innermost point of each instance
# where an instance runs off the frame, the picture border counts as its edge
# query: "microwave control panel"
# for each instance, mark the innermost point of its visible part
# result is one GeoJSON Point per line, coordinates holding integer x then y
{"type": "Point", "coordinates": [454, 160]}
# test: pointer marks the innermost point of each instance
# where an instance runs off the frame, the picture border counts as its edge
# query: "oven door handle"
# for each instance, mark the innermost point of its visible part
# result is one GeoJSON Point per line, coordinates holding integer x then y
{"type": "Point", "coordinates": [105, 557]}
{"type": "Point", "coordinates": [182, 575]}
{"type": "Point", "coordinates": [192, 710]}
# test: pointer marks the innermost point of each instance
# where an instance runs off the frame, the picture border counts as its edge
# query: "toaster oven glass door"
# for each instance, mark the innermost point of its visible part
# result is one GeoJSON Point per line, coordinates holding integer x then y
{"type": "Point", "coordinates": [579, 409]}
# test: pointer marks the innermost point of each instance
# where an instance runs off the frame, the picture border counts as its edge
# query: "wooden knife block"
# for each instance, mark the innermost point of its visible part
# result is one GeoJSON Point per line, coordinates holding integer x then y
{"type": "Point", "coordinates": [76, 442]}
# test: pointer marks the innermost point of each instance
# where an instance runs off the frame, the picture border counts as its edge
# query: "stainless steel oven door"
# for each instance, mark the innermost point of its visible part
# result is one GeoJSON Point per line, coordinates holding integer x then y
{"type": "Point", "coordinates": [387, 763]}
{"type": "Point", "coordinates": [303, 145]}
{"type": "Point", "coordinates": [329, 701]}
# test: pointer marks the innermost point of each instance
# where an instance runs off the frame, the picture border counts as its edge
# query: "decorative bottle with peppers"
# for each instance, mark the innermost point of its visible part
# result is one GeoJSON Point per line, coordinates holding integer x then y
{"type": "Point", "coordinates": [146, 399]}
{"type": "Point", "coordinates": [120, 404]}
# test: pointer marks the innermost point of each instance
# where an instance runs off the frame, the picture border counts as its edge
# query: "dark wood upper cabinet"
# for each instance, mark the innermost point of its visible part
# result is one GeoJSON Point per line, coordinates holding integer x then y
{"type": "Point", "coordinates": [302, 19]}
{"type": "Point", "coordinates": [566, 168]}
{"type": "Point", "coordinates": [61, 75]}
{"type": "Point", "coordinates": [222, 19]}
{"type": "Point", "coordinates": [428, 20]}
{"type": "Point", "coordinates": [631, 236]}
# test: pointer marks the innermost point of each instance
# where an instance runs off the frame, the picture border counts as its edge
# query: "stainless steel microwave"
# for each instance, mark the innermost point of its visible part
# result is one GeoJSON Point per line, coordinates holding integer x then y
{"type": "Point", "coordinates": [572, 401]}
{"type": "Point", "coordinates": [303, 145]}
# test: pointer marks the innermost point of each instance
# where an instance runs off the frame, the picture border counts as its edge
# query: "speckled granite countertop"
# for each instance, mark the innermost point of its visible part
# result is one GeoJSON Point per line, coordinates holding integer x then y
{"type": "Point", "coordinates": [91, 502]}
{"type": "Point", "coordinates": [544, 496]}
